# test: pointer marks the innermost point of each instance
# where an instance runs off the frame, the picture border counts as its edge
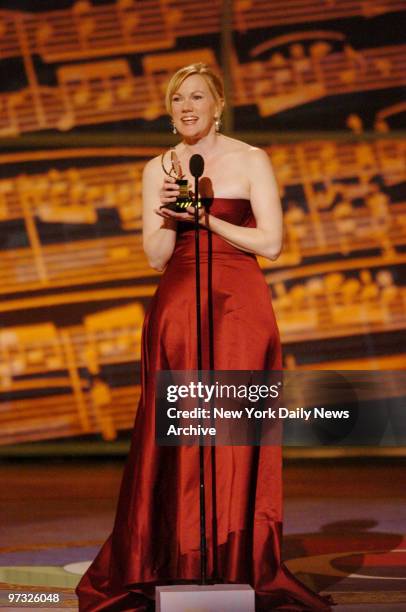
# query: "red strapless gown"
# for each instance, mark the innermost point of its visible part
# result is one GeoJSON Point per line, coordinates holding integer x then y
{"type": "Point", "coordinates": [155, 539]}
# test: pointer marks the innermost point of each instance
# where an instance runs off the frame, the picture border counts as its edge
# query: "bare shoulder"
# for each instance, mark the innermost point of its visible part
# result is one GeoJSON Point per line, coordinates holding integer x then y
{"type": "Point", "coordinates": [232, 145]}
{"type": "Point", "coordinates": [255, 155]}
{"type": "Point", "coordinates": [257, 160]}
{"type": "Point", "coordinates": [247, 153]}
{"type": "Point", "coordinates": [153, 167]}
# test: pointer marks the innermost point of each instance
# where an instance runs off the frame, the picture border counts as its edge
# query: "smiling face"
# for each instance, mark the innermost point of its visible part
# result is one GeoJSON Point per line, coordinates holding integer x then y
{"type": "Point", "coordinates": [194, 108]}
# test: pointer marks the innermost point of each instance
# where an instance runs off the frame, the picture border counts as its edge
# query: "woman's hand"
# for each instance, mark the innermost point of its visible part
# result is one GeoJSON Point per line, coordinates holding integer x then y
{"type": "Point", "coordinates": [169, 191]}
{"type": "Point", "coordinates": [188, 215]}
{"type": "Point", "coordinates": [168, 194]}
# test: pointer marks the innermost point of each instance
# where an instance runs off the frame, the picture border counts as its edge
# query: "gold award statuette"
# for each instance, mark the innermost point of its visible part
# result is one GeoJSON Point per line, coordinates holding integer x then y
{"type": "Point", "coordinates": [184, 198]}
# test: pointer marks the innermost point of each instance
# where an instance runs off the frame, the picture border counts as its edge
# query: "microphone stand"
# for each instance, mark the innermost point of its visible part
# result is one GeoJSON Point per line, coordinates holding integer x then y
{"type": "Point", "coordinates": [240, 598]}
{"type": "Point", "coordinates": [202, 496]}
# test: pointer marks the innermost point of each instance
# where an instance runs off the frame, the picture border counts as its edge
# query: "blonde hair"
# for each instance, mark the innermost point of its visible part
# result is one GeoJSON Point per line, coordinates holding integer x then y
{"type": "Point", "coordinates": [214, 83]}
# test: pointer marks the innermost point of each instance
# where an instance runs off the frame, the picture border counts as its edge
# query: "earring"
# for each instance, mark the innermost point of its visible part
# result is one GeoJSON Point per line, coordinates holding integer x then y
{"type": "Point", "coordinates": [217, 124]}
{"type": "Point", "coordinates": [174, 130]}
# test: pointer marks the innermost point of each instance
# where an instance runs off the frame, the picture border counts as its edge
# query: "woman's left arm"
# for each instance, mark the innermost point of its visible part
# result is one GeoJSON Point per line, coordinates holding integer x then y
{"type": "Point", "coordinates": [266, 238]}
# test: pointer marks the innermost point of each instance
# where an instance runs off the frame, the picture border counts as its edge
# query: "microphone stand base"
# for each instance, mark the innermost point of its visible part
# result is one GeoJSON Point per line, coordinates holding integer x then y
{"type": "Point", "coordinates": [208, 597]}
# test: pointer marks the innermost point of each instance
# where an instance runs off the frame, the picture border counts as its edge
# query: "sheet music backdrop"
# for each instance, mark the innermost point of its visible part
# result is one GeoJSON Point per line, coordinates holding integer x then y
{"type": "Point", "coordinates": [81, 98]}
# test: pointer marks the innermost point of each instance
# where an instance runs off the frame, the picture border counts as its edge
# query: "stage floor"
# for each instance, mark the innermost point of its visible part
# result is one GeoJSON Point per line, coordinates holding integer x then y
{"type": "Point", "coordinates": [345, 527]}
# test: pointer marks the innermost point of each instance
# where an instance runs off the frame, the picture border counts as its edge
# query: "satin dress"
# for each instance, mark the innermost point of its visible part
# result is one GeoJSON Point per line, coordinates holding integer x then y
{"type": "Point", "coordinates": [156, 537]}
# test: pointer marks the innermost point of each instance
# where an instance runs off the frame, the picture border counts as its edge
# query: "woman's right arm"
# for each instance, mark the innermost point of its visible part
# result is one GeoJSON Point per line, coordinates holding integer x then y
{"type": "Point", "coordinates": [158, 234]}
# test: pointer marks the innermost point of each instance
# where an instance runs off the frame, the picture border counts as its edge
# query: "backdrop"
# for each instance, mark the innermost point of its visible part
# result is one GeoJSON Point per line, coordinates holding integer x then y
{"type": "Point", "coordinates": [318, 84]}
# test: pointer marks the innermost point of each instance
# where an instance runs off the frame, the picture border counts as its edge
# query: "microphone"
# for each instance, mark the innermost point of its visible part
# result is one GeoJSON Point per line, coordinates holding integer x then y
{"type": "Point", "coordinates": [184, 200]}
{"type": "Point", "coordinates": [196, 165]}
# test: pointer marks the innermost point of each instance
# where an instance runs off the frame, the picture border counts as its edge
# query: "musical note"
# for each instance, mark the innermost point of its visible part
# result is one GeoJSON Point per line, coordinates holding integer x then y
{"type": "Point", "coordinates": [369, 289]}
{"type": "Point", "coordinates": [25, 195]}
{"type": "Point", "coordinates": [129, 18]}
{"type": "Point", "coordinates": [337, 302]}
{"type": "Point", "coordinates": [67, 119]}
{"type": "Point", "coordinates": [354, 122]}
{"type": "Point", "coordinates": [282, 162]}
{"type": "Point", "coordinates": [101, 399]}
{"type": "Point", "coordinates": [128, 26]}
{"type": "Point", "coordinates": [240, 19]}
{"type": "Point", "coordinates": [174, 18]}
{"type": "Point", "coordinates": [346, 223]}
{"type": "Point", "coordinates": [302, 64]}
{"type": "Point", "coordinates": [115, 333]}
{"type": "Point", "coordinates": [390, 159]}
{"type": "Point", "coordinates": [319, 304]}
{"type": "Point", "coordinates": [30, 349]}
{"type": "Point", "coordinates": [73, 369]}
{"type": "Point", "coordinates": [384, 66]}
{"type": "Point", "coordinates": [104, 100]}
{"type": "Point", "coordinates": [383, 115]}
{"type": "Point", "coordinates": [296, 79]}
{"type": "Point", "coordinates": [43, 34]}
{"type": "Point", "coordinates": [326, 177]}
{"type": "Point", "coordinates": [284, 82]}
{"type": "Point", "coordinates": [289, 85]}
{"type": "Point", "coordinates": [370, 298]}
{"type": "Point", "coordinates": [125, 90]}
{"type": "Point", "coordinates": [85, 23]}
{"type": "Point", "coordinates": [288, 301]}
{"type": "Point", "coordinates": [60, 198]}
{"type": "Point", "coordinates": [392, 301]}
{"type": "Point", "coordinates": [81, 95]}
{"type": "Point", "coordinates": [94, 85]}
{"type": "Point", "coordinates": [128, 199]}
{"type": "Point", "coordinates": [9, 124]}
{"type": "Point", "coordinates": [379, 206]}
{"type": "Point", "coordinates": [107, 91]}
{"type": "Point", "coordinates": [296, 229]}
{"type": "Point", "coordinates": [356, 66]}
{"type": "Point", "coordinates": [6, 189]}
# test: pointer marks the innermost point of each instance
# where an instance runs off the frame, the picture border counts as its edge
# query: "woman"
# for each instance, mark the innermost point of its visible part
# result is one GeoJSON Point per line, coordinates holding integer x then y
{"type": "Point", "coordinates": [156, 533]}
